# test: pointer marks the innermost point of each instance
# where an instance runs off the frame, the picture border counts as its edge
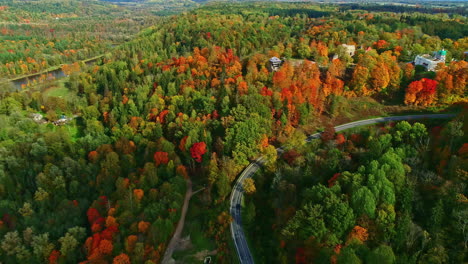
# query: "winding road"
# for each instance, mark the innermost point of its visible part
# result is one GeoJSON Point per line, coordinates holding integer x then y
{"type": "Point", "coordinates": [237, 233]}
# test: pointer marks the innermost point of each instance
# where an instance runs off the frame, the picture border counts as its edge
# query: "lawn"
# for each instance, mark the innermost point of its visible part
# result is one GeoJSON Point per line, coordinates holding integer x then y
{"type": "Point", "coordinates": [74, 132]}
{"type": "Point", "coordinates": [58, 89]}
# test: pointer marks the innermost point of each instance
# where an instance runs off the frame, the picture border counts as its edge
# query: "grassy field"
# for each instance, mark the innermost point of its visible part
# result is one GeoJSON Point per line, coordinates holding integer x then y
{"type": "Point", "coordinates": [74, 132]}
{"type": "Point", "coordinates": [57, 90]}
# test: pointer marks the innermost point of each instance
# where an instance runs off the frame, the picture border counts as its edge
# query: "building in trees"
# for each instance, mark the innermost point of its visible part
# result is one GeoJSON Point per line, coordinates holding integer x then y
{"type": "Point", "coordinates": [275, 63]}
{"type": "Point", "coordinates": [350, 49]}
{"type": "Point", "coordinates": [430, 62]}
{"type": "Point", "coordinates": [62, 121]}
{"type": "Point", "coordinates": [38, 118]}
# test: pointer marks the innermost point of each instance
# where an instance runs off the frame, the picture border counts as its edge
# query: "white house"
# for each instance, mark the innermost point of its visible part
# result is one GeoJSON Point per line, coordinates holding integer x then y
{"type": "Point", "coordinates": [350, 49]}
{"type": "Point", "coordinates": [430, 62]}
{"type": "Point", "coordinates": [37, 117]}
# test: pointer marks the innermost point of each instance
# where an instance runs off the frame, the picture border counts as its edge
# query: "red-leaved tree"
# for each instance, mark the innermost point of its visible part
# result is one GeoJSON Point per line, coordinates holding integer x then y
{"type": "Point", "coordinates": [197, 151]}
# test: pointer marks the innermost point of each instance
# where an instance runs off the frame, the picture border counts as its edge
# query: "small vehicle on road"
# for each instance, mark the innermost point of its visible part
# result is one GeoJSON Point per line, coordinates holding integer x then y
{"type": "Point", "coordinates": [207, 260]}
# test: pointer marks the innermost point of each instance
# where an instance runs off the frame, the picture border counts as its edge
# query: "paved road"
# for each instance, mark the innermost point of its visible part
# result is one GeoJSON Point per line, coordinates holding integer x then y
{"type": "Point", "coordinates": [237, 193]}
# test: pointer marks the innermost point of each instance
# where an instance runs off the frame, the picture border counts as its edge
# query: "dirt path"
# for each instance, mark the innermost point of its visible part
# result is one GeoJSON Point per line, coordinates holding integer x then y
{"type": "Point", "coordinates": [180, 226]}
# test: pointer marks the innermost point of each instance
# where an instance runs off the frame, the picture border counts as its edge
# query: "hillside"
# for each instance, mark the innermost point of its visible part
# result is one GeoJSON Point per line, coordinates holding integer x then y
{"type": "Point", "coordinates": [97, 165]}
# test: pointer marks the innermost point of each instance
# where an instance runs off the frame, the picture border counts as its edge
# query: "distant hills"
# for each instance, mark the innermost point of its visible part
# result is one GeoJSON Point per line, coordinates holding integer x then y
{"type": "Point", "coordinates": [459, 3]}
{"type": "Point", "coordinates": [327, 1]}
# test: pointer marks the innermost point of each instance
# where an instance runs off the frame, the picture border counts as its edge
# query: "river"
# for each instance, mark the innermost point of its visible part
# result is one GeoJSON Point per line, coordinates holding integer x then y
{"type": "Point", "coordinates": [17, 84]}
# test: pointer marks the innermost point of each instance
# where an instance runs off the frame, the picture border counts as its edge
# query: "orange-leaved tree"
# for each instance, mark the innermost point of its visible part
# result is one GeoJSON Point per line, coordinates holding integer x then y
{"type": "Point", "coordinates": [358, 233]}
{"type": "Point", "coordinates": [143, 226]}
{"type": "Point", "coordinates": [105, 247]}
{"type": "Point", "coordinates": [161, 157]}
{"type": "Point", "coordinates": [121, 259]}
{"type": "Point", "coordinates": [93, 156]}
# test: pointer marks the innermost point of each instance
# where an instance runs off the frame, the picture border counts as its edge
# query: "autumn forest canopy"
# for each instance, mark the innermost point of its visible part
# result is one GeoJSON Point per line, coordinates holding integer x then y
{"type": "Point", "coordinates": [111, 113]}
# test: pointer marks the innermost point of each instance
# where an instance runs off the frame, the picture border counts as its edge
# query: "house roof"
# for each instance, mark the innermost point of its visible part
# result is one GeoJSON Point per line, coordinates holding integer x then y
{"type": "Point", "coordinates": [275, 59]}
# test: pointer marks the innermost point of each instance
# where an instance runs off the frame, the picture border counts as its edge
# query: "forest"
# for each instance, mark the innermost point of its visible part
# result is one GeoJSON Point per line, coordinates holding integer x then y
{"type": "Point", "coordinates": [37, 36]}
{"type": "Point", "coordinates": [192, 96]}
{"type": "Point", "coordinates": [389, 194]}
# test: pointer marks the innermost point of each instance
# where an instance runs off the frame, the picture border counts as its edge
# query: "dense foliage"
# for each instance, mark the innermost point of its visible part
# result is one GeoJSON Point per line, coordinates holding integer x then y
{"type": "Point", "coordinates": [394, 194]}
{"type": "Point", "coordinates": [36, 36]}
{"type": "Point", "coordinates": [193, 96]}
